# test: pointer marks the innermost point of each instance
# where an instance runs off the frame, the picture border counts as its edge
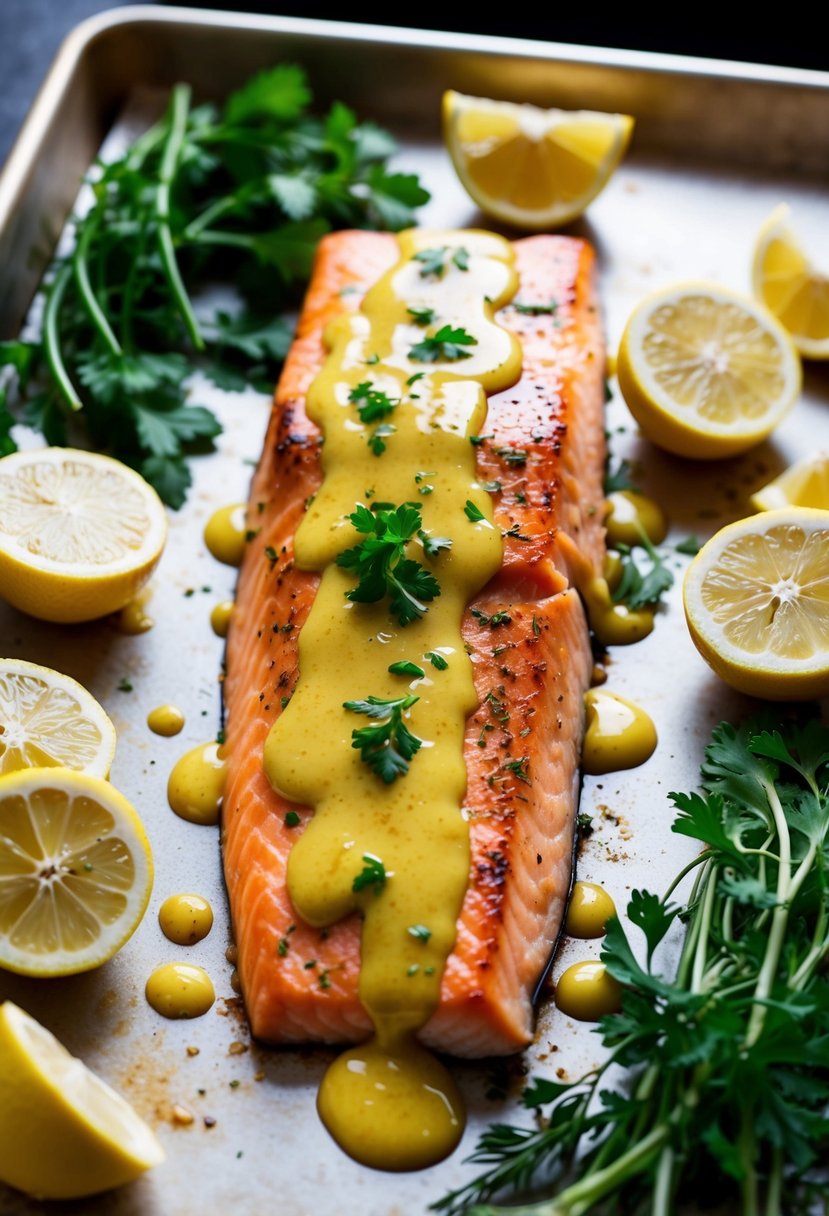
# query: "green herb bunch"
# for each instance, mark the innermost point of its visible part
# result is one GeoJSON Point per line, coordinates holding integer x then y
{"type": "Point", "coordinates": [728, 1061]}
{"type": "Point", "coordinates": [239, 195]}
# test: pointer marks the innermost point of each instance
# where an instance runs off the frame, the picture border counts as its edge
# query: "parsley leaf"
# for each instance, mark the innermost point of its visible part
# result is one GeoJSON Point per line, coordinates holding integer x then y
{"type": "Point", "coordinates": [373, 874]}
{"type": "Point", "coordinates": [637, 588]}
{"type": "Point", "coordinates": [421, 316]}
{"type": "Point", "coordinates": [372, 404]}
{"type": "Point", "coordinates": [388, 746]}
{"type": "Point", "coordinates": [473, 514]}
{"type": "Point", "coordinates": [446, 345]}
{"type": "Point", "coordinates": [536, 310]}
{"type": "Point", "coordinates": [381, 565]}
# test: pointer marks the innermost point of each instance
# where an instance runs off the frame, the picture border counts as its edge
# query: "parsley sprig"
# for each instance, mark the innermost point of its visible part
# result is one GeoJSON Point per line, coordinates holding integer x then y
{"type": "Point", "coordinates": [728, 1066]}
{"type": "Point", "coordinates": [447, 346]}
{"type": "Point", "coordinates": [389, 745]}
{"type": "Point", "coordinates": [638, 587]}
{"type": "Point", "coordinates": [381, 564]}
{"type": "Point", "coordinates": [434, 262]}
{"type": "Point", "coordinates": [241, 195]}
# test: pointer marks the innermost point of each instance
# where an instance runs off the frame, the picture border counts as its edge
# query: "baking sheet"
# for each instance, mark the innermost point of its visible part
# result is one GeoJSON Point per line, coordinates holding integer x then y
{"type": "Point", "coordinates": [666, 215]}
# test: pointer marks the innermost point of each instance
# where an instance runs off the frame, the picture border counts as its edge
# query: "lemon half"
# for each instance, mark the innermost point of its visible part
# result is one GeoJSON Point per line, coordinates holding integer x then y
{"type": "Point", "coordinates": [80, 533]}
{"type": "Point", "coordinates": [47, 718]}
{"type": "Point", "coordinates": [63, 1132]}
{"type": "Point", "coordinates": [790, 286]}
{"type": "Point", "coordinates": [76, 871]}
{"type": "Point", "coordinates": [756, 601]}
{"type": "Point", "coordinates": [531, 167]}
{"type": "Point", "coordinates": [706, 372]}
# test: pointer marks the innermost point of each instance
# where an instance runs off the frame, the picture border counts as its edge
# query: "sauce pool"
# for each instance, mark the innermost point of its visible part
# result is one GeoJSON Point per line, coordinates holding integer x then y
{"type": "Point", "coordinates": [180, 990]}
{"type": "Point", "coordinates": [185, 919]}
{"type": "Point", "coordinates": [589, 910]}
{"type": "Point", "coordinates": [166, 720]}
{"type": "Point", "coordinates": [619, 734]}
{"type": "Point", "coordinates": [629, 514]}
{"type": "Point", "coordinates": [220, 618]}
{"type": "Point", "coordinates": [586, 991]}
{"type": "Point", "coordinates": [225, 534]}
{"type": "Point", "coordinates": [196, 784]}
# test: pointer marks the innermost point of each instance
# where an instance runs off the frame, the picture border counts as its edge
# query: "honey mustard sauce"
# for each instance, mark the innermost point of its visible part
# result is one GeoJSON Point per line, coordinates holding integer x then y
{"type": "Point", "coordinates": [180, 990]}
{"type": "Point", "coordinates": [629, 515]}
{"type": "Point", "coordinates": [220, 618]}
{"type": "Point", "coordinates": [619, 735]}
{"type": "Point", "coordinates": [185, 919]}
{"type": "Point", "coordinates": [586, 991]}
{"type": "Point", "coordinates": [166, 720]}
{"type": "Point", "coordinates": [395, 847]}
{"type": "Point", "coordinates": [225, 534]}
{"type": "Point", "coordinates": [588, 911]}
{"type": "Point", "coordinates": [196, 784]}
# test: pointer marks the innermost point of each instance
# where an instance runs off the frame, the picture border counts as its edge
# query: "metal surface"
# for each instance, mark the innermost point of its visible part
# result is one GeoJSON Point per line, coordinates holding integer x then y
{"type": "Point", "coordinates": [716, 147]}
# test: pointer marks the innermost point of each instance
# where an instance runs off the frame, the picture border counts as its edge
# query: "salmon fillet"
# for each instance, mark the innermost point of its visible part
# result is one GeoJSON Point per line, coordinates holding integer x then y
{"type": "Point", "coordinates": [545, 446]}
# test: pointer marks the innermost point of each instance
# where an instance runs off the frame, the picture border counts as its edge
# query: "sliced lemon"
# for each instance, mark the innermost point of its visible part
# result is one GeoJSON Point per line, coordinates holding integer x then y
{"type": "Point", "coordinates": [706, 372]}
{"type": "Point", "coordinates": [804, 484]}
{"type": "Point", "coordinates": [757, 604]}
{"type": "Point", "coordinates": [75, 871]}
{"type": "Point", "coordinates": [80, 533]}
{"type": "Point", "coordinates": [531, 167]}
{"type": "Point", "coordinates": [63, 1132]}
{"type": "Point", "coordinates": [783, 277]}
{"type": "Point", "coordinates": [47, 718]}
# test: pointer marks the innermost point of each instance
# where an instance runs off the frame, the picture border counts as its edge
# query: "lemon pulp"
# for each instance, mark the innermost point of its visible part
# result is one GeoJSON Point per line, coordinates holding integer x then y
{"type": "Point", "coordinates": [47, 718]}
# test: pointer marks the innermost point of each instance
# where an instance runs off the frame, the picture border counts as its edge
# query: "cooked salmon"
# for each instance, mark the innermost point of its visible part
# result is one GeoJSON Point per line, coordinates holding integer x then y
{"type": "Point", "coordinates": [544, 445]}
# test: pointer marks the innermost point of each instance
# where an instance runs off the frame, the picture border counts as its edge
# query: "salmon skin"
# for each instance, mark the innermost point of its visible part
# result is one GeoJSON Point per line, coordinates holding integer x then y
{"type": "Point", "coordinates": [528, 640]}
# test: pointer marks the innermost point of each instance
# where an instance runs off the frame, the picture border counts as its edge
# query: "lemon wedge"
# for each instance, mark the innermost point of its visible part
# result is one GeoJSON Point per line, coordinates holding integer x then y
{"type": "Point", "coordinates": [783, 277]}
{"type": "Point", "coordinates": [47, 718]}
{"type": "Point", "coordinates": [706, 372]}
{"type": "Point", "coordinates": [531, 167]}
{"type": "Point", "coordinates": [80, 533]}
{"type": "Point", "coordinates": [63, 1132]}
{"type": "Point", "coordinates": [804, 484]}
{"type": "Point", "coordinates": [756, 601]}
{"type": "Point", "coordinates": [75, 871]}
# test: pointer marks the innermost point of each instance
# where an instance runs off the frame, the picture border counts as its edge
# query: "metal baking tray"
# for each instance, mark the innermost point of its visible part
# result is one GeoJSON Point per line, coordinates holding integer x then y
{"type": "Point", "coordinates": [717, 145]}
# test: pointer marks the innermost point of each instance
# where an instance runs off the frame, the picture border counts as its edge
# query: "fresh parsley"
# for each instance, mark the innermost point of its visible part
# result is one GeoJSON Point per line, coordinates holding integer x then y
{"type": "Point", "coordinates": [240, 193]}
{"type": "Point", "coordinates": [372, 403]}
{"type": "Point", "coordinates": [536, 310]}
{"type": "Point", "coordinates": [406, 668]}
{"type": "Point", "coordinates": [381, 565]}
{"type": "Point", "coordinates": [473, 513]}
{"type": "Point", "coordinates": [727, 1084]}
{"type": "Point", "coordinates": [447, 346]}
{"type": "Point", "coordinates": [434, 261]}
{"type": "Point", "coordinates": [437, 660]}
{"type": "Point", "coordinates": [638, 587]}
{"type": "Point", "coordinates": [389, 745]}
{"type": "Point", "coordinates": [422, 316]}
{"type": "Point", "coordinates": [372, 875]}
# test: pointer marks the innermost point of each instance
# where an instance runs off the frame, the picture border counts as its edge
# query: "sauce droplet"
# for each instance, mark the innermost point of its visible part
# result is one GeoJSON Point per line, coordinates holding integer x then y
{"type": "Point", "coordinates": [586, 992]}
{"type": "Point", "coordinates": [224, 534]}
{"type": "Point", "coordinates": [133, 618]}
{"type": "Point", "coordinates": [392, 1109]}
{"type": "Point", "coordinates": [165, 720]}
{"type": "Point", "coordinates": [613, 624]}
{"type": "Point", "coordinates": [185, 919]}
{"type": "Point", "coordinates": [196, 784]}
{"type": "Point", "coordinates": [180, 990]}
{"type": "Point", "coordinates": [220, 618]}
{"type": "Point", "coordinates": [619, 734]}
{"type": "Point", "coordinates": [630, 514]}
{"type": "Point", "coordinates": [589, 910]}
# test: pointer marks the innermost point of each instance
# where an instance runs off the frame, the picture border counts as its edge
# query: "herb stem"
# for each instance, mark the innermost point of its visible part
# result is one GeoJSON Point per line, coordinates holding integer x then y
{"type": "Point", "coordinates": [779, 921]}
{"type": "Point", "coordinates": [51, 338]}
{"type": "Point", "coordinates": [663, 1192]}
{"type": "Point", "coordinates": [80, 266]}
{"type": "Point", "coordinates": [179, 109]}
{"type": "Point", "coordinates": [774, 1191]}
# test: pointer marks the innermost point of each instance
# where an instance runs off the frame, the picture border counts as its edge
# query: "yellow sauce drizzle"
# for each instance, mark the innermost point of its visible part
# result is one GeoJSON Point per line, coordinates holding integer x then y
{"type": "Point", "coordinates": [220, 618]}
{"type": "Point", "coordinates": [388, 1102]}
{"type": "Point", "coordinates": [589, 910]}
{"type": "Point", "coordinates": [613, 624]}
{"type": "Point", "coordinates": [165, 720]}
{"type": "Point", "coordinates": [628, 512]}
{"type": "Point", "coordinates": [185, 919]}
{"type": "Point", "coordinates": [587, 992]}
{"type": "Point", "coordinates": [180, 990]}
{"type": "Point", "coordinates": [196, 784]}
{"type": "Point", "coordinates": [224, 534]}
{"type": "Point", "coordinates": [619, 734]}
{"type": "Point", "coordinates": [133, 618]}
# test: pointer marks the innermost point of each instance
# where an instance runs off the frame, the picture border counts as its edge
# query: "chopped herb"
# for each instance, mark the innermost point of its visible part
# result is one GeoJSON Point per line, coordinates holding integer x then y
{"type": "Point", "coordinates": [372, 359]}
{"type": "Point", "coordinates": [413, 969]}
{"type": "Point", "coordinates": [378, 435]}
{"type": "Point", "coordinates": [437, 660]}
{"type": "Point", "coordinates": [637, 589]}
{"type": "Point", "coordinates": [405, 668]}
{"type": "Point", "coordinates": [496, 619]}
{"type": "Point", "coordinates": [433, 545]}
{"type": "Point", "coordinates": [491, 487]}
{"type": "Point", "coordinates": [428, 971]}
{"type": "Point", "coordinates": [292, 819]}
{"type": "Point", "coordinates": [473, 514]}
{"type": "Point", "coordinates": [536, 310]}
{"type": "Point", "coordinates": [309, 966]}
{"type": "Point", "coordinates": [250, 534]}
{"type": "Point", "coordinates": [381, 565]}
{"type": "Point", "coordinates": [125, 684]}
{"type": "Point", "coordinates": [372, 404]}
{"type": "Point", "coordinates": [414, 378]}
{"type": "Point", "coordinates": [420, 932]}
{"type": "Point", "coordinates": [421, 316]}
{"type": "Point", "coordinates": [584, 823]}
{"type": "Point", "coordinates": [324, 980]}
{"type": "Point", "coordinates": [272, 555]}
{"type": "Point", "coordinates": [388, 746]}
{"type": "Point", "coordinates": [189, 592]}
{"type": "Point", "coordinates": [235, 1085]}
{"type": "Point", "coordinates": [461, 258]}
{"type": "Point", "coordinates": [519, 767]}
{"type": "Point", "coordinates": [373, 874]}
{"type": "Point", "coordinates": [520, 498]}
{"type": "Point", "coordinates": [691, 545]}
{"type": "Point", "coordinates": [220, 737]}
{"type": "Point", "coordinates": [536, 626]}
{"type": "Point", "coordinates": [446, 345]}
{"type": "Point", "coordinates": [432, 261]}
{"type": "Point", "coordinates": [477, 440]}
{"type": "Point", "coordinates": [419, 477]}
{"type": "Point", "coordinates": [512, 456]}
{"type": "Point", "coordinates": [516, 533]}
{"type": "Point", "coordinates": [284, 702]}
{"type": "Point", "coordinates": [282, 947]}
